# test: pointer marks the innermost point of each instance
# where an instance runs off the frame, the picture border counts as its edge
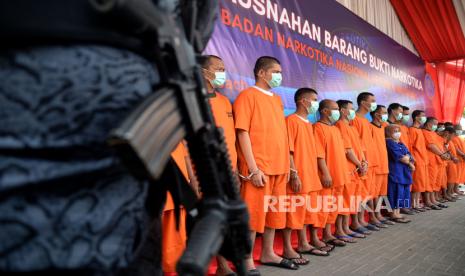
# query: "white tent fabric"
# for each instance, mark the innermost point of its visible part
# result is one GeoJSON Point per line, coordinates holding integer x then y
{"type": "Point", "coordinates": [382, 15]}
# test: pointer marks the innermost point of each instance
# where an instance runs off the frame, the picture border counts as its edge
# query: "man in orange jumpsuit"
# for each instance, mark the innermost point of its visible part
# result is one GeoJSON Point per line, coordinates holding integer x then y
{"type": "Point", "coordinates": [379, 119]}
{"type": "Point", "coordinates": [419, 153]}
{"type": "Point", "coordinates": [263, 158]}
{"type": "Point", "coordinates": [367, 103]}
{"type": "Point", "coordinates": [174, 238]}
{"type": "Point", "coordinates": [214, 74]}
{"type": "Point", "coordinates": [460, 147]}
{"type": "Point", "coordinates": [332, 168]}
{"type": "Point", "coordinates": [436, 156]}
{"type": "Point", "coordinates": [354, 191]}
{"type": "Point", "coordinates": [304, 183]}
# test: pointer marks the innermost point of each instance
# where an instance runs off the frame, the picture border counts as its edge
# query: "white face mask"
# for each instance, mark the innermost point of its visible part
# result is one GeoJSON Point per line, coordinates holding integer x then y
{"type": "Point", "coordinates": [219, 80]}
{"type": "Point", "coordinates": [405, 118]}
{"type": "Point", "coordinates": [313, 107]}
{"type": "Point", "coordinates": [396, 135]}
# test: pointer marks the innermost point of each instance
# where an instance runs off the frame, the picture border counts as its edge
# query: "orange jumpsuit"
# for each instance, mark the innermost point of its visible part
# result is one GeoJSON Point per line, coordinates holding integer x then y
{"type": "Point", "coordinates": [302, 146]}
{"type": "Point", "coordinates": [382, 170]}
{"type": "Point", "coordinates": [174, 240]}
{"type": "Point", "coordinates": [363, 127]}
{"type": "Point", "coordinates": [435, 162]}
{"type": "Point", "coordinates": [223, 114]}
{"type": "Point", "coordinates": [420, 154]}
{"type": "Point", "coordinates": [354, 187]}
{"type": "Point", "coordinates": [261, 114]}
{"type": "Point", "coordinates": [330, 148]}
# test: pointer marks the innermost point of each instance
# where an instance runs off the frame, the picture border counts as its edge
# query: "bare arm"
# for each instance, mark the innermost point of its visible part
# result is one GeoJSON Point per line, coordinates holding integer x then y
{"type": "Point", "coordinates": [326, 179]}
{"type": "Point", "coordinates": [294, 179]}
{"type": "Point", "coordinates": [435, 149]}
{"type": "Point", "coordinates": [459, 152]}
{"type": "Point", "coordinates": [258, 178]}
{"type": "Point", "coordinates": [358, 163]}
{"type": "Point", "coordinates": [351, 156]}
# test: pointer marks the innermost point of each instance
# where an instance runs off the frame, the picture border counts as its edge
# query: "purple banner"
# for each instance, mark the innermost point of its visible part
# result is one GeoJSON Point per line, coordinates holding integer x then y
{"type": "Point", "coordinates": [320, 44]}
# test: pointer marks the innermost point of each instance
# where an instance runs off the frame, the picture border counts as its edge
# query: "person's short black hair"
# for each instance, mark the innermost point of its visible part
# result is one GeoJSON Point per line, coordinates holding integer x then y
{"type": "Point", "coordinates": [430, 119]}
{"type": "Point", "coordinates": [448, 124]}
{"type": "Point", "coordinates": [264, 63]}
{"type": "Point", "coordinates": [204, 61]}
{"type": "Point", "coordinates": [343, 103]}
{"type": "Point", "coordinates": [323, 104]}
{"type": "Point", "coordinates": [450, 130]}
{"type": "Point", "coordinates": [405, 107]}
{"type": "Point", "coordinates": [302, 91]}
{"type": "Point", "coordinates": [393, 106]}
{"type": "Point", "coordinates": [416, 113]}
{"type": "Point", "coordinates": [378, 108]}
{"type": "Point", "coordinates": [363, 97]}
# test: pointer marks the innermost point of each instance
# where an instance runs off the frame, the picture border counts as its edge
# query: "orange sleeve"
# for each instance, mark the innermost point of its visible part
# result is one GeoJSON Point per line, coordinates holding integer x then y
{"type": "Point", "coordinates": [291, 133]}
{"type": "Point", "coordinates": [320, 142]}
{"type": "Point", "coordinates": [243, 109]}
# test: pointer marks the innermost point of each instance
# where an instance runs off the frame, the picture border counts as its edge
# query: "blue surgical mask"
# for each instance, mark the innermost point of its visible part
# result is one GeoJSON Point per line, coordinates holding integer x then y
{"type": "Point", "coordinates": [335, 115]}
{"type": "Point", "coordinates": [434, 127]}
{"type": "Point", "coordinates": [458, 132]}
{"type": "Point", "coordinates": [405, 118]}
{"type": "Point", "coordinates": [384, 118]}
{"type": "Point", "coordinates": [313, 107]}
{"type": "Point", "coordinates": [399, 117]}
{"type": "Point", "coordinates": [441, 129]}
{"type": "Point", "coordinates": [373, 106]}
{"type": "Point", "coordinates": [351, 115]}
{"type": "Point", "coordinates": [276, 79]}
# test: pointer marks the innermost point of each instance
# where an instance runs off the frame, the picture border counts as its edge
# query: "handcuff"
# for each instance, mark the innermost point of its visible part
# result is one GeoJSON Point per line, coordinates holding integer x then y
{"type": "Point", "coordinates": [247, 178]}
{"type": "Point", "coordinates": [296, 173]}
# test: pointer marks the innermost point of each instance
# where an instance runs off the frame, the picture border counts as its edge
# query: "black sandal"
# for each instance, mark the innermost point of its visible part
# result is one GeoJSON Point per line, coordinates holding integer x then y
{"type": "Point", "coordinates": [300, 258]}
{"type": "Point", "coordinates": [328, 246]}
{"type": "Point", "coordinates": [284, 263]}
{"type": "Point", "coordinates": [401, 220]}
{"type": "Point", "coordinates": [312, 252]}
{"type": "Point", "coordinates": [336, 242]}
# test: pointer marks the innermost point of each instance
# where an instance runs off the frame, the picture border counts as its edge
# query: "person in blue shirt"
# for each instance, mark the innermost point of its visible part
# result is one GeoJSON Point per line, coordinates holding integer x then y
{"type": "Point", "coordinates": [401, 166]}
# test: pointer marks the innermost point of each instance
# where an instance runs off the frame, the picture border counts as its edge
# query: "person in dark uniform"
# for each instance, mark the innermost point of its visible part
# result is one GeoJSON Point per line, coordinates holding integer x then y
{"type": "Point", "coordinates": [67, 204]}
